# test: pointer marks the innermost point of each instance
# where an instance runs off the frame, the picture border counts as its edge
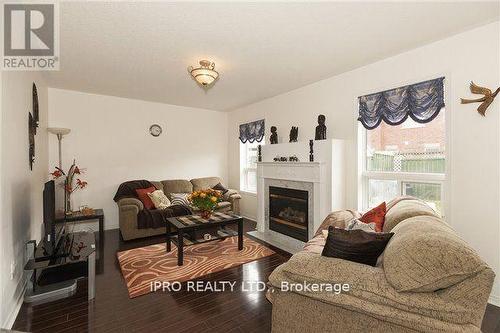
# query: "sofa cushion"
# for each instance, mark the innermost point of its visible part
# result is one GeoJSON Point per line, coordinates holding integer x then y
{"type": "Point", "coordinates": [176, 186]}
{"type": "Point", "coordinates": [220, 187]}
{"type": "Point", "coordinates": [205, 183]}
{"type": "Point", "coordinates": [375, 215]}
{"type": "Point", "coordinates": [404, 208]}
{"type": "Point", "coordinates": [180, 199]}
{"type": "Point", "coordinates": [339, 219]}
{"type": "Point", "coordinates": [142, 194]}
{"type": "Point", "coordinates": [355, 245]}
{"type": "Point", "coordinates": [426, 255]}
{"type": "Point", "coordinates": [159, 199]}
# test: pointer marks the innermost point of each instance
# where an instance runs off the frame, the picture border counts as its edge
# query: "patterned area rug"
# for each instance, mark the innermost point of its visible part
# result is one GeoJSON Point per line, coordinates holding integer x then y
{"type": "Point", "coordinates": [142, 266]}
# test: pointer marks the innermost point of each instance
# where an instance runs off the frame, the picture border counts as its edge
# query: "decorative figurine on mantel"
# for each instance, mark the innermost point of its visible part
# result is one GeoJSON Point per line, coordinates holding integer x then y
{"type": "Point", "coordinates": [294, 133]}
{"type": "Point", "coordinates": [311, 151]}
{"type": "Point", "coordinates": [321, 128]}
{"type": "Point", "coordinates": [274, 135]}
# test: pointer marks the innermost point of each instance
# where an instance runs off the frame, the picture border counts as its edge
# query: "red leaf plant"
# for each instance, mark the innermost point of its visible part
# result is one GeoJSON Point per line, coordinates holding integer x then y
{"type": "Point", "coordinates": [69, 185]}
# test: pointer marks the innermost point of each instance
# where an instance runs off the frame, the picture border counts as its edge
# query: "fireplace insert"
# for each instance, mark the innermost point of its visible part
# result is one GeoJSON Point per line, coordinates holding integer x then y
{"type": "Point", "coordinates": [289, 212]}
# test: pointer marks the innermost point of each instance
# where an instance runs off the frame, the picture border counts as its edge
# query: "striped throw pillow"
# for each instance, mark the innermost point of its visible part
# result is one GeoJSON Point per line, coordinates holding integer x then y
{"type": "Point", "coordinates": [179, 199]}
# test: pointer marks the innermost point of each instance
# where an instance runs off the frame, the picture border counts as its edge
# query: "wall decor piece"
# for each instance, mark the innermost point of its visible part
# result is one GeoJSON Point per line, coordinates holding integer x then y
{"type": "Point", "coordinates": [274, 135]}
{"type": "Point", "coordinates": [252, 132]}
{"type": "Point", "coordinates": [294, 133]}
{"type": "Point", "coordinates": [485, 101]}
{"type": "Point", "coordinates": [321, 128]}
{"type": "Point", "coordinates": [420, 101]}
{"type": "Point", "coordinates": [259, 153]}
{"type": "Point", "coordinates": [31, 140]}
{"type": "Point", "coordinates": [280, 159]}
{"type": "Point", "coordinates": [36, 118]}
{"type": "Point", "coordinates": [155, 130]}
{"type": "Point", "coordinates": [311, 151]}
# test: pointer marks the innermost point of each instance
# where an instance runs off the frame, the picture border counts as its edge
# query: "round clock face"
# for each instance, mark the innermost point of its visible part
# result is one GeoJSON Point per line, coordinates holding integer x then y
{"type": "Point", "coordinates": [155, 130]}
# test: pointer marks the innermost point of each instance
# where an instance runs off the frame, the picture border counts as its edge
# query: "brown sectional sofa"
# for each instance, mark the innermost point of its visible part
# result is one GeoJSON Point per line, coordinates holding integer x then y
{"type": "Point", "coordinates": [129, 208]}
{"type": "Point", "coordinates": [428, 280]}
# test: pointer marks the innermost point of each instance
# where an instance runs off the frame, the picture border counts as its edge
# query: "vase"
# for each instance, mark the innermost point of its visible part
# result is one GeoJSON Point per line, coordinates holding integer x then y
{"type": "Point", "coordinates": [205, 214]}
{"type": "Point", "coordinates": [67, 206]}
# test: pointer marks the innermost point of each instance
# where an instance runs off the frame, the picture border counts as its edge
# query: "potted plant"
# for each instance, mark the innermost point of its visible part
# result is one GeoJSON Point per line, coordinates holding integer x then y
{"type": "Point", "coordinates": [70, 184]}
{"type": "Point", "coordinates": [205, 201]}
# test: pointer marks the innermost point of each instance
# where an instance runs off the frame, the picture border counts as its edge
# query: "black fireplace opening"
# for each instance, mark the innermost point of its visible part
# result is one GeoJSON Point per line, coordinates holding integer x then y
{"type": "Point", "coordinates": [289, 212]}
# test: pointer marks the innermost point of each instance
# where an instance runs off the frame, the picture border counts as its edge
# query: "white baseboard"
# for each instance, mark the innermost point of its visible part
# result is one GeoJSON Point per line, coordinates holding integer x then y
{"type": "Point", "coordinates": [495, 300]}
{"type": "Point", "coordinates": [11, 318]}
{"type": "Point", "coordinates": [249, 218]}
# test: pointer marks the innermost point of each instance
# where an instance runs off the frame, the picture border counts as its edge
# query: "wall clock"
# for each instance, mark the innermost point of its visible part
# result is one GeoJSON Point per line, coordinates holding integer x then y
{"type": "Point", "coordinates": [155, 130]}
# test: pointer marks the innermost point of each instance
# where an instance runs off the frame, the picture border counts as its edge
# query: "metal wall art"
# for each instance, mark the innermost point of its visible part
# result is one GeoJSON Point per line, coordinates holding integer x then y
{"type": "Point", "coordinates": [33, 120]}
{"type": "Point", "coordinates": [485, 101]}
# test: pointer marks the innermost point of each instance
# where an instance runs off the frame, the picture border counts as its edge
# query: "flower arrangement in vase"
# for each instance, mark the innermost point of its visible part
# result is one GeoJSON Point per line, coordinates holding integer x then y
{"type": "Point", "coordinates": [70, 183]}
{"type": "Point", "coordinates": [206, 201]}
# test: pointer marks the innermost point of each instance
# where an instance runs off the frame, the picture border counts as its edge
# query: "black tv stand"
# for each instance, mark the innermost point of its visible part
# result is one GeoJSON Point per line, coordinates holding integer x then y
{"type": "Point", "coordinates": [63, 249]}
{"type": "Point", "coordinates": [55, 277]}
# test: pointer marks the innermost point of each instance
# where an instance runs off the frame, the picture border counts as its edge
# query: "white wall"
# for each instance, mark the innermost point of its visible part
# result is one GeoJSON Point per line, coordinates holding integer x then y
{"type": "Point", "coordinates": [21, 189]}
{"type": "Point", "coordinates": [472, 194]}
{"type": "Point", "coordinates": [110, 139]}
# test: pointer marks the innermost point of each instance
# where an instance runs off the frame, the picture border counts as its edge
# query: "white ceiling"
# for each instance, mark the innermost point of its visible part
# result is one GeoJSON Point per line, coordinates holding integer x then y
{"type": "Point", "coordinates": [141, 50]}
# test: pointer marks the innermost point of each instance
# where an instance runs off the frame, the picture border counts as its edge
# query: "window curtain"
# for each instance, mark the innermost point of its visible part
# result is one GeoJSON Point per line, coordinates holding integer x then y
{"type": "Point", "coordinates": [420, 101]}
{"type": "Point", "coordinates": [252, 132]}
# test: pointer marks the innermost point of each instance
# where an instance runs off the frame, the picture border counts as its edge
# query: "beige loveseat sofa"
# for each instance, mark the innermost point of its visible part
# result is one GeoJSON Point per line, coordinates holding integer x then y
{"type": "Point", "coordinates": [428, 280]}
{"type": "Point", "coordinates": [129, 208]}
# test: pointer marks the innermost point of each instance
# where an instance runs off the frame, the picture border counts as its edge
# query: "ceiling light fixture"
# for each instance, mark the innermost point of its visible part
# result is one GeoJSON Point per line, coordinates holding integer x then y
{"type": "Point", "coordinates": [205, 74]}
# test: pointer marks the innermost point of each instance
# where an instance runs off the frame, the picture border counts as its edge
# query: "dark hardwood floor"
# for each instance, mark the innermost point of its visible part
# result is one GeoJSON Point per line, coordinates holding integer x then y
{"type": "Point", "coordinates": [182, 311]}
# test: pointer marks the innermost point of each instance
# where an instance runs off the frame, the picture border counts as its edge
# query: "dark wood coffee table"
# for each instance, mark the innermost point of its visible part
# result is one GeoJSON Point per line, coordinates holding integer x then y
{"type": "Point", "coordinates": [190, 223]}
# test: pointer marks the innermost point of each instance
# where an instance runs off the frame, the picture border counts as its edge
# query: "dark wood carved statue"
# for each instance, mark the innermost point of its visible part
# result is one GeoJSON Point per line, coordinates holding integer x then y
{"type": "Point", "coordinates": [274, 135]}
{"type": "Point", "coordinates": [311, 151]}
{"type": "Point", "coordinates": [321, 128]}
{"type": "Point", "coordinates": [294, 134]}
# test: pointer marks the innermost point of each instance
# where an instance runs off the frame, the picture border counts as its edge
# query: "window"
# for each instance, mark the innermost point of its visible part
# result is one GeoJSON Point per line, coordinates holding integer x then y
{"type": "Point", "coordinates": [248, 166]}
{"type": "Point", "coordinates": [405, 160]}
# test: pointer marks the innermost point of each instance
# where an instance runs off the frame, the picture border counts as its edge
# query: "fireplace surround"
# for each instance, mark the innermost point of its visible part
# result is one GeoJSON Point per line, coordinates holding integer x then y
{"type": "Point", "coordinates": [289, 212]}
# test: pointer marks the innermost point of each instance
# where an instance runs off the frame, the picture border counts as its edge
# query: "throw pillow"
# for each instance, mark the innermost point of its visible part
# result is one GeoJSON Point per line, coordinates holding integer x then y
{"type": "Point", "coordinates": [159, 199]}
{"type": "Point", "coordinates": [375, 215]}
{"type": "Point", "coordinates": [356, 224]}
{"type": "Point", "coordinates": [220, 187]}
{"type": "Point", "coordinates": [179, 199]}
{"type": "Point", "coordinates": [142, 194]}
{"type": "Point", "coordinates": [355, 245]}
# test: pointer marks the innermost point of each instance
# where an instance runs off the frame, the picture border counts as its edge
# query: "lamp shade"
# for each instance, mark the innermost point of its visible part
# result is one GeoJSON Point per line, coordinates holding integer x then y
{"type": "Point", "coordinates": [205, 74]}
{"type": "Point", "coordinates": [58, 130]}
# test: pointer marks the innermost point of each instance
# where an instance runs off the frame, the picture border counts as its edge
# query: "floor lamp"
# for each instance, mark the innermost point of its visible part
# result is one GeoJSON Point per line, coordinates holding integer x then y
{"type": "Point", "coordinates": [60, 132]}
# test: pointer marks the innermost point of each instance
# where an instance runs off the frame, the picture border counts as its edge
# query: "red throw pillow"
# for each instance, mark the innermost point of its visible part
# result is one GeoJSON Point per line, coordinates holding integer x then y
{"type": "Point", "coordinates": [142, 193]}
{"type": "Point", "coordinates": [375, 215]}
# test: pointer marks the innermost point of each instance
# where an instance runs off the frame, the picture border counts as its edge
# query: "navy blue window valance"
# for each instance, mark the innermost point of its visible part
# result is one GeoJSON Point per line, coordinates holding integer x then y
{"type": "Point", "coordinates": [421, 101]}
{"type": "Point", "coordinates": [252, 132]}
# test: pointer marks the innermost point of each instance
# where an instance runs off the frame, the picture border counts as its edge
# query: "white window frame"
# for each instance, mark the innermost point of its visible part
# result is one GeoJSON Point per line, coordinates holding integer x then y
{"type": "Point", "coordinates": [399, 177]}
{"type": "Point", "coordinates": [244, 169]}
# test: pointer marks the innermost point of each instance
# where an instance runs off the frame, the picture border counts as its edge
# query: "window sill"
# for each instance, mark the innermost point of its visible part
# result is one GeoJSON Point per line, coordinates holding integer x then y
{"type": "Point", "coordinates": [245, 192]}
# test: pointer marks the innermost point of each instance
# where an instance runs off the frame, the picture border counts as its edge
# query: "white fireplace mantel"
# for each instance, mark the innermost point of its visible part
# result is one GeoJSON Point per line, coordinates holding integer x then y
{"type": "Point", "coordinates": [320, 179]}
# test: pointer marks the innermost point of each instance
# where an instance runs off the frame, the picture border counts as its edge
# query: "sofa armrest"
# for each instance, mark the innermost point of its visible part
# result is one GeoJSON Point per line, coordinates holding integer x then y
{"type": "Point", "coordinates": [131, 202]}
{"type": "Point", "coordinates": [367, 286]}
{"type": "Point", "coordinates": [234, 198]}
